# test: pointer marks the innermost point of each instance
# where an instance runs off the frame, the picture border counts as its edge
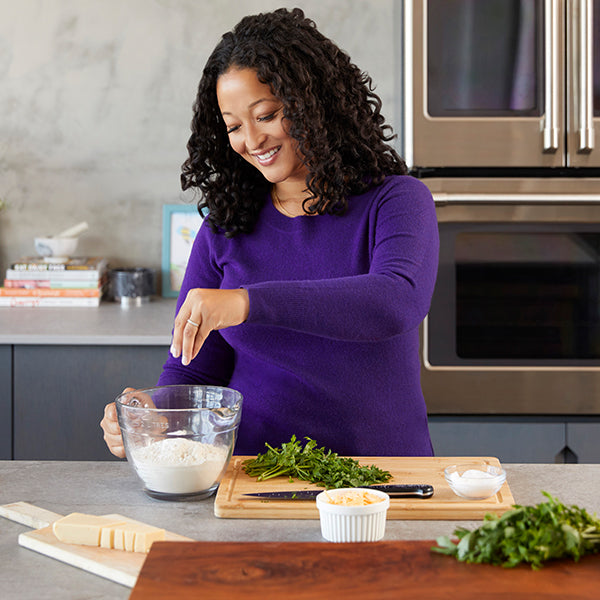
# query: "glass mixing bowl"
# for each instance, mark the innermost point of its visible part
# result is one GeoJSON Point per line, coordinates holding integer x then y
{"type": "Point", "coordinates": [179, 438]}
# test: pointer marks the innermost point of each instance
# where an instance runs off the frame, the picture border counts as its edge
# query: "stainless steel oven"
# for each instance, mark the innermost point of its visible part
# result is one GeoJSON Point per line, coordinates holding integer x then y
{"type": "Point", "coordinates": [501, 120]}
{"type": "Point", "coordinates": [502, 85]}
{"type": "Point", "coordinates": [501, 114]}
{"type": "Point", "coordinates": [514, 325]}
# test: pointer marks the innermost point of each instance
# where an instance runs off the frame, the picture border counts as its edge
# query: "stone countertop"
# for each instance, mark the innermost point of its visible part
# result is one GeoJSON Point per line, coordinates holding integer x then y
{"type": "Point", "coordinates": [108, 324]}
{"type": "Point", "coordinates": [112, 487]}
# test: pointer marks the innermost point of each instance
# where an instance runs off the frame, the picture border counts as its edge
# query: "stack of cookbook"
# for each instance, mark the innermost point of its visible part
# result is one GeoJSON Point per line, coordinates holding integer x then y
{"type": "Point", "coordinates": [33, 281]}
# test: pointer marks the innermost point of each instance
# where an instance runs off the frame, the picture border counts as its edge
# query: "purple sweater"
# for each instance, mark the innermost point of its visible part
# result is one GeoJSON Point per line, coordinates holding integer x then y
{"type": "Point", "coordinates": [330, 349]}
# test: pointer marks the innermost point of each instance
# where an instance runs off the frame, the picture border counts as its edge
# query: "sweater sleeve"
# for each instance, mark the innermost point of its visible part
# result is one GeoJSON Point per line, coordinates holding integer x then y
{"type": "Point", "coordinates": [214, 363]}
{"type": "Point", "coordinates": [392, 298]}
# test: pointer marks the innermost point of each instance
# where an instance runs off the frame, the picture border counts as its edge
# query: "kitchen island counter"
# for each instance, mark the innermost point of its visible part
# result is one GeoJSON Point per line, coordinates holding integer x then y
{"type": "Point", "coordinates": [99, 487]}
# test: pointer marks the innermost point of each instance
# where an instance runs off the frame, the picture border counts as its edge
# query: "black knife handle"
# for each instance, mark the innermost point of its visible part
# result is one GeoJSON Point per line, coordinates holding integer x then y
{"type": "Point", "coordinates": [420, 490]}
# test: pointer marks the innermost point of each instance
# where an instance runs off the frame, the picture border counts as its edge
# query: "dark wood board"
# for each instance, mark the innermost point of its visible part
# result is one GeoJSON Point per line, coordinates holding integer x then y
{"type": "Point", "coordinates": [397, 570]}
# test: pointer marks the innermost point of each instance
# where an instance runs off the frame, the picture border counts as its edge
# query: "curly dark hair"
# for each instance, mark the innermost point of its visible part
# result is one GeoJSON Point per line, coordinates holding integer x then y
{"type": "Point", "coordinates": [332, 111]}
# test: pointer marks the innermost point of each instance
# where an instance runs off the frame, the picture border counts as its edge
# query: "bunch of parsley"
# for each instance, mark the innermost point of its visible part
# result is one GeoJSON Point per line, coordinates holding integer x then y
{"type": "Point", "coordinates": [314, 464]}
{"type": "Point", "coordinates": [527, 534]}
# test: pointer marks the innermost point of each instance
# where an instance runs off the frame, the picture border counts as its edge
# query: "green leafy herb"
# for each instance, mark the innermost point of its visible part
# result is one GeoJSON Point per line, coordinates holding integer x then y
{"type": "Point", "coordinates": [314, 464]}
{"type": "Point", "coordinates": [527, 534]}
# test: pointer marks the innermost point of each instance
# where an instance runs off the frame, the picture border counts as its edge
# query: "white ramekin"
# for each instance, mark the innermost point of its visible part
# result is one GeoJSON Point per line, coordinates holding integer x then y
{"type": "Point", "coordinates": [341, 523]}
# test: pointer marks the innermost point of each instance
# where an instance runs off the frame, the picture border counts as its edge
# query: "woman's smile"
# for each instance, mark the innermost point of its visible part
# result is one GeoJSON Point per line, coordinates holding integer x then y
{"type": "Point", "coordinates": [267, 158]}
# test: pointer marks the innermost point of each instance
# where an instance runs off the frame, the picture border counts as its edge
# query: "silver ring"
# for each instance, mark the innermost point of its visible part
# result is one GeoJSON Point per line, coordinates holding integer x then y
{"type": "Point", "coordinates": [192, 323]}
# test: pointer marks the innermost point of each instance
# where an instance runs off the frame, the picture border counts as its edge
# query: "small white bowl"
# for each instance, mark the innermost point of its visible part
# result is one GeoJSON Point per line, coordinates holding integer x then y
{"type": "Point", "coordinates": [54, 247]}
{"type": "Point", "coordinates": [476, 480]}
{"type": "Point", "coordinates": [352, 523]}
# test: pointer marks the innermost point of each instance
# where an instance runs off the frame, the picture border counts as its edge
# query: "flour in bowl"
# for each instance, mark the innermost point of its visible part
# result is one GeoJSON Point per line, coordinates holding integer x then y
{"type": "Point", "coordinates": [179, 465]}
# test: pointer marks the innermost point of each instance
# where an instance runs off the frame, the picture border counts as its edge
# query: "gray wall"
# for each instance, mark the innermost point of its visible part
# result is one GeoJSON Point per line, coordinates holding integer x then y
{"type": "Point", "coordinates": [95, 105]}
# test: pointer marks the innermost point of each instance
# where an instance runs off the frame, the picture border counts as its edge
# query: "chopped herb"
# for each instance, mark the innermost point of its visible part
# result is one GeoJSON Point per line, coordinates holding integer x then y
{"type": "Point", "coordinates": [527, 534]}
{"type": "Point", "coordinates": [314, 464]}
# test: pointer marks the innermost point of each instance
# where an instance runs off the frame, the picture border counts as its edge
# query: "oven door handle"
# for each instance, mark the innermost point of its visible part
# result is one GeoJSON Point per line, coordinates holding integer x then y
{"type": "Point", "coordinates": [586, 76]}
{"type": "Point", "coordinates": [551, 129]}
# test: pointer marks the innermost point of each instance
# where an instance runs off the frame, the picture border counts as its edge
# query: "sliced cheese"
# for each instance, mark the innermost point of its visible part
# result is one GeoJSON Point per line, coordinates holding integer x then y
{"type": "Point", "coordinates": [145, 536]}
{"type": "Point", "coordinates": [119, 537]}
{"type": "Point", "coordinates": [108, 531]}
{"type": "Point", "coordinates": [136, 537]}
{"type": "Point", "coordinates": [107, 536]}
{"type": "Point", "coordinates": [79, 528]}
{"type": "Point", "coordinates": [129, 535]}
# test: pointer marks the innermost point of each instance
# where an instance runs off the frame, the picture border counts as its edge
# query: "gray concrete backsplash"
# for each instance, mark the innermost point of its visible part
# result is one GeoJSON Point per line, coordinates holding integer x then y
{"type": "Point", "coordinates": [96, 100]}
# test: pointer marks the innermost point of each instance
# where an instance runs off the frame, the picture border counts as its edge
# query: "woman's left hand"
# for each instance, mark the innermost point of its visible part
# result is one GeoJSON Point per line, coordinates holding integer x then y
{"type": "Point", "coordinates": [203, 311]}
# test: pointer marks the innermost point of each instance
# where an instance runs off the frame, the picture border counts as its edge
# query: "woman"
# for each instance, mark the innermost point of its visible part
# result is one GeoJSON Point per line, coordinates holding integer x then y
{"type": "Point", "coordinates": [316, 263]}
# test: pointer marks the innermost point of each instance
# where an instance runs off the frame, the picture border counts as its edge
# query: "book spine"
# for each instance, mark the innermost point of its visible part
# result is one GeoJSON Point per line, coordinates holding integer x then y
{"type": "Point", "coordinates": [49, 293]}
{"type": "Point", "coordinates": [35, 267]}
{"type": "Point", "coordinates": [51, 284]}
{"type": "Point", "coordinates": [50, 267]}
{"type": "Point", "coordinates": [7, 301]}
{"type": "Point", "coordinates": [93, 275]}
{"type": "Point", "coordinates": [74, 264]}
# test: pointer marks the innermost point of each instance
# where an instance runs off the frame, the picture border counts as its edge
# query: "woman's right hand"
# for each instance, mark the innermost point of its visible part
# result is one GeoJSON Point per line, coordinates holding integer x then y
{"type": "Point", "coordinates": [112, 431]}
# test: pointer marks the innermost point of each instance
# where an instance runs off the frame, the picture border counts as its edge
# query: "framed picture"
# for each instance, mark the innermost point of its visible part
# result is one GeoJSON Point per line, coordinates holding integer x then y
{"type": "Point", "coordinates": [180, 226]}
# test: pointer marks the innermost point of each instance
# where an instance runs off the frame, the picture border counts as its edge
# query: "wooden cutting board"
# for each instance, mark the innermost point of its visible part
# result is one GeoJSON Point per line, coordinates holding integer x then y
{"type": "Point", "coordinates": [230, 501]}
{"type": "Point", "coordinates": [117, 565]}
{"type": "Point", "coordinates": [384, 570]}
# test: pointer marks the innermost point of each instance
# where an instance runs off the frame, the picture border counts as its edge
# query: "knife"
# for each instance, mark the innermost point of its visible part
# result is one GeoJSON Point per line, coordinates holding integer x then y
{"type": "Point", "coordinates": [421, 490]}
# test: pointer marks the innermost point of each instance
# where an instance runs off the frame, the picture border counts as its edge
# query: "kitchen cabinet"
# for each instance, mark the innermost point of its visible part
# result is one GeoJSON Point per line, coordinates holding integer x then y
{"type": "Point", "coordinates": [583, 439]}
{"type": "Point", "coordinates": [59, 367]}
{"type": "Point", "coordinates": [5, 402]}
{"type": "Point", "coordinates": [539, 439]}
{"type": "Point", "coordinates": [518, 440]}
{"type": "Point", "coordinates": [53, 409]}
{"type": "Point", "coordinates": [60, 393]}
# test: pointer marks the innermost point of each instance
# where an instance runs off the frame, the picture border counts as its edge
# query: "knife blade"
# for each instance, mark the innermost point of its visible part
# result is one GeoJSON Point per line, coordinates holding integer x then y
{"type": "Point", "coordinates": [421, 490]}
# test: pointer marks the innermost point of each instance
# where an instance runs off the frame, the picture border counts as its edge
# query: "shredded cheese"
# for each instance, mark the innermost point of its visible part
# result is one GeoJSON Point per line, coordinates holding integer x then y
{"type": "Point", "coordinates": [353, 498]}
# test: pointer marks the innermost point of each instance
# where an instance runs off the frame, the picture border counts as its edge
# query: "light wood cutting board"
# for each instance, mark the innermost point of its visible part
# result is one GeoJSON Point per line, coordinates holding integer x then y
{"type": "Point", "coordinates": [230, 501]}
{"type": "Point", "coordinates": [117, 565]}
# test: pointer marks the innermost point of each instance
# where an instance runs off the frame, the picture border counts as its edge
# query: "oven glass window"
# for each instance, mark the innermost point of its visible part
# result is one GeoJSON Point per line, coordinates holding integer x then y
{"type": "Point", "coordinates": [485, 58]}
{"type": "Point", "coordinates": [527, 295]}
